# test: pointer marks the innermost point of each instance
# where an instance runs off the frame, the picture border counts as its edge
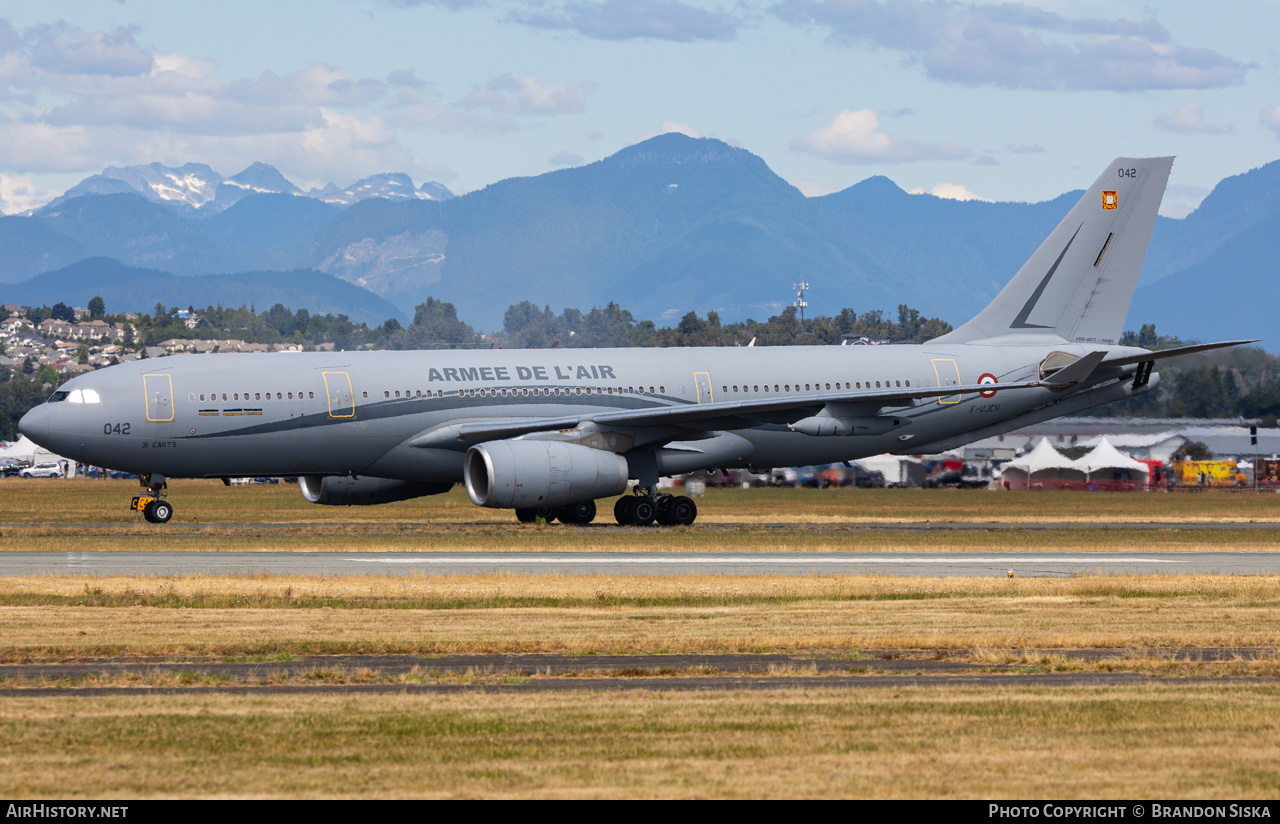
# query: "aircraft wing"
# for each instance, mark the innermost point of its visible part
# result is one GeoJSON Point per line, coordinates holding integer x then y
{"type": "Point", "coordinates": [1160, 354]}
{"type": "Point", "coordinates": [723, 414]}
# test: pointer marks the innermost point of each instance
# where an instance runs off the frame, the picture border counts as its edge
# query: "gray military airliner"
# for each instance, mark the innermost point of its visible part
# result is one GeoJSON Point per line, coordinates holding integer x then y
{"type": "Point", "coordinates": [547, 432]}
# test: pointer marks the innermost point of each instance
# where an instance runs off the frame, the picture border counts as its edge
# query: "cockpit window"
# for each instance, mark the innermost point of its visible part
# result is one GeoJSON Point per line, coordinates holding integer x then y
{"type": "Point", "coordinates": [76, 396]}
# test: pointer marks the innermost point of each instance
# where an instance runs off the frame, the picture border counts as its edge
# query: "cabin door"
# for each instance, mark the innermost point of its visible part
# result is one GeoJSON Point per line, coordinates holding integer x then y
{"type": "Point", "coordinates": [702, 382]}
{"type": "Point", "coordinates": [948, 374]}
{"type": "Point", "coordinates": [337, 386]}
{"type": "Point", "coordinates": [159, 393]}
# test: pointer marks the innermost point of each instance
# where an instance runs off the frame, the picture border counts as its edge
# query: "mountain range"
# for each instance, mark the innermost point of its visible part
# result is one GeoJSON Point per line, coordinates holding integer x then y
{"type": "Point", "coordinates": [666, 226]}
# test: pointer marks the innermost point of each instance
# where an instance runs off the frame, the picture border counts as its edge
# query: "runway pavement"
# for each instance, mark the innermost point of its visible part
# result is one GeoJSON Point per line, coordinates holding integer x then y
{"type": "Point", "coordinates": [937, 564]}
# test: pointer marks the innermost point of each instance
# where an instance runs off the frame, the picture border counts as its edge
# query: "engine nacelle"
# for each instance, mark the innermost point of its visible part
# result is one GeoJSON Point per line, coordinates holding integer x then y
{"type": "Point", "coordinates": [344, 490]}
{"type": "Point", "coordinates": [531, 474]}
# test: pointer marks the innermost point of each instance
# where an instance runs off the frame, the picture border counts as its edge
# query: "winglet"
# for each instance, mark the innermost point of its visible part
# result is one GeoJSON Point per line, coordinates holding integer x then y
{"type": "Point", "coordinates": [1070, 375]}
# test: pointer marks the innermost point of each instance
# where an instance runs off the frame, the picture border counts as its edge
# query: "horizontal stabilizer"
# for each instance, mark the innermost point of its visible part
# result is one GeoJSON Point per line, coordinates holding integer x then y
{"type": "Point", "coordinates": [1161, 354]}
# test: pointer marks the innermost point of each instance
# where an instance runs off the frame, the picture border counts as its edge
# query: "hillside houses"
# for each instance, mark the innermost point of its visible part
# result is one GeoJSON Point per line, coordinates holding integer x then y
{"type": "Point", "coordinates": [92, 330]}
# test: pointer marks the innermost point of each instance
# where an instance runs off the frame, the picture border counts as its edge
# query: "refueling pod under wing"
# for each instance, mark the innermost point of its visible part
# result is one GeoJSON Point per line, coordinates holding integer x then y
{"type": "Point", "coordinates": [346, 490]}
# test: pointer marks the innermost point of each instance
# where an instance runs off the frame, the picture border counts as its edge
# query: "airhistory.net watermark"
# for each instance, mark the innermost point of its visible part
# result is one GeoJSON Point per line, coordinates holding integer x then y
{"type": "Point", "coordinates": [65, 811]}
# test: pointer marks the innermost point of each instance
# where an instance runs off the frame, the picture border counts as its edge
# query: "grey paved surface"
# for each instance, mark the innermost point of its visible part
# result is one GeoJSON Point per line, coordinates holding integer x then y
{"type": "Point", "coordinates": [940, 564]}
{"type": "Point", "coordinates": [617, 666]}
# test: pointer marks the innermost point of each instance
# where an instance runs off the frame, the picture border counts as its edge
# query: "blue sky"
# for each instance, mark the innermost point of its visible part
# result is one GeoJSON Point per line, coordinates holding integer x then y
{"type": "Point", "coordinates": [1013, 101]}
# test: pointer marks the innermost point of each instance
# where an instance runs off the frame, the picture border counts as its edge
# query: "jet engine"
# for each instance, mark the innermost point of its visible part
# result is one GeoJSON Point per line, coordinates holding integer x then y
{"type": "Point", "coordinates": [531, 474]}
{"type": "Point", "coordinates": [345, 490]}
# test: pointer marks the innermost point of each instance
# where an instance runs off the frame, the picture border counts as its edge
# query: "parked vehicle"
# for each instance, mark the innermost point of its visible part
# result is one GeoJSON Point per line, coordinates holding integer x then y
{"type": "Point", "coordinates": [13, 467]}
{"type": "Point", "coordinates": [46, 470]}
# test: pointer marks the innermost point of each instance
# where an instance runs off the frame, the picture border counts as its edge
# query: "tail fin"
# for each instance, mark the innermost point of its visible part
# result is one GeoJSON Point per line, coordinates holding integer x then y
{"type": "Point", "coordinates": [1078, 284]}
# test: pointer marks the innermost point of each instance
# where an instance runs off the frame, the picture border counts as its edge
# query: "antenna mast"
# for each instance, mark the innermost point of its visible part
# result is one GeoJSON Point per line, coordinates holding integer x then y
{"type": "Point", "coordinates": [800, 303]}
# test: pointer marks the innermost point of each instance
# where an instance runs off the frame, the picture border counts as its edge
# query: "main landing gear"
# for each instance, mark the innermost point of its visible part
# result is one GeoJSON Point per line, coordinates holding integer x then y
{"type": "Point", "coordinates": [645, 508]}
{"type": "Point", "coordinates": [641, 509]}
{"type": "Point", "coordinates": [152, 503]}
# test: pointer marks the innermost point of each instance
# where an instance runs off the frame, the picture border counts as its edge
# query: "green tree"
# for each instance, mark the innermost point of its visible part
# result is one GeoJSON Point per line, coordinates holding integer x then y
{"type": "Point", "coordinates": [97, 308]}
{"type": "Point", "coordinates": [47, 375]}
{"type": "Point", "coordinates": [82, 354]}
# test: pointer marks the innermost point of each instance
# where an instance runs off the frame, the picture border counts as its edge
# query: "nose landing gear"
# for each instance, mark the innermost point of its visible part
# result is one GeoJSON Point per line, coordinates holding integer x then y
{"type": "Point", "coordinates": [152, 503]}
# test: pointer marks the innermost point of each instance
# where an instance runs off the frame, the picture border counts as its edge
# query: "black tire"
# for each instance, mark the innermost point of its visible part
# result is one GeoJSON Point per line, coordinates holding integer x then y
{"type": "Point", "coordinates": [579, 513]}
{"type": "Point", "coordinates": [620, 511]}
{"type": "Point", "coordinates": [681, 511]}
{"type": "Point", "coordinates": [526, 516]}
{"type": "Point", "coordinates": [161, 512]}
{"type": "Point", "coordinates": [642, 511]}
{"type": "Point", "coordinates": [664, 511]}
{"type": "Point", "coordinates": [149, 512]}
{"type": "Point", "coordinates": [546, 513]}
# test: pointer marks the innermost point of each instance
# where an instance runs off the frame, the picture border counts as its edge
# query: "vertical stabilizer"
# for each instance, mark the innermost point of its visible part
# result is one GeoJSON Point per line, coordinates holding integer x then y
{"type": "Point", "coordinates": [1078, 284]}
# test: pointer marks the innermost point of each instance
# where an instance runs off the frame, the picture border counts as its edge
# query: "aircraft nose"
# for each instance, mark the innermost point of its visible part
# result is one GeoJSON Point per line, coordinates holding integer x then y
{"type": "Point", "coordinates": [35, 424]}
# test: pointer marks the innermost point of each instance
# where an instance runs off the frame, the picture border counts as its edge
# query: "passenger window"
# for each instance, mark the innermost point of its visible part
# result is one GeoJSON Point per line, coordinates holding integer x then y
{"type": "Point", "coordinates": [257, 396]}
{"type": "Point", "coordinates": [386, 393]}
{"type": "Point", "coordinates": [755, 388]}
{"type": "Point", "coordinates": [290, 396]}
{"type": "Point", "coordinates": [877, 384]}
{"type": "Point", "coordinates": [224, 396]}
{"type": "Point", "coordinates": [493, 393]}
{"type": "Point", "coordinates": [311, 395]}
{"type": "Point", "coordinates": [775, 387]}
{"type": "Point", "coordinates": [280, 397]}
{"type": "Point", "coordinates": [365, 394]}
{"type": "Point", "coordinates": [662, 389]}
{"type": "Point", "coordinates": [806, 387]}
{"type": "Point", "coordinates": [201, 396]}
{"type": "Point", "coordinates": [397, 393]}
{"type": "Point", "coordinates": [725, 388]}
{"type": "Point", "coordinates": [418, 394]}
{"type": "Point", "coordinates": [650, 390]}
{"type": "Point", "coordinates": [908, 384]}
{"type": "Point", "coordinates": [897, 383]}
{"type": "Point", "coordinates": [235, 396]}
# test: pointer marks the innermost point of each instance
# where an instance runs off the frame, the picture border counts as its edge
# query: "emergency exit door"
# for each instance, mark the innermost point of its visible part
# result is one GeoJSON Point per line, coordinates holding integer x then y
{"type": "Point", "coordinates": [337, 386]}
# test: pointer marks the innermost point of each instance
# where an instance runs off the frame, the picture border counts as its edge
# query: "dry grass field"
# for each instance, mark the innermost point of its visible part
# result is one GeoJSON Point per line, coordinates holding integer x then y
{"type": "Point", "coordinates": [92, 501]}
{"type": "Point", "coordinates": [1166, 736]}
{"type": "Point", "coordinates": [51, 618]}
{"type": "Point", "coordinates": [1162, 740]}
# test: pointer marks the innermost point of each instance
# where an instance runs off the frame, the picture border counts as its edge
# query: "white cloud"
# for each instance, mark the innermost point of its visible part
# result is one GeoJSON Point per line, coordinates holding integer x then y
{"type": "Point", "coordinates": [1181, 199]}
{"type": "Point", "coordinates": [19, 194]}
{"type": "Point", "coordinates": [1270, 118]}
{"type": "Point", "coordinates": [1019, 46]}
{"type": "Point", "coordinates": [76, 101]}
{"type": "Point", "coordinates": [1188, 119]}
{"type": "Point", "coordinates": [667, 127]}
{"type": "Point", "coordinates": [813, 188]}
{"type": "Point", "coordinates": [631, 20]}
{"type": "Point", "coordinates": [526, 96]}
{"type": "Point", "coordinates": [855, 137]}
{"type": "Point", "coordinates": [562, 159]}
{"type": "Point", "coordinates": [950, 191]}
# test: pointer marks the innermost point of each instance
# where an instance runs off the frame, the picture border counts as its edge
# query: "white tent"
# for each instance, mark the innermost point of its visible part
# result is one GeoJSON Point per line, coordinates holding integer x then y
{"type": "Point", "coordinates": [898, 470]}
{"type": "Point", "coordinates": [24, 449]}
{"type": "Point", "coordinates": [1105, 462]}
{"type": "Point", "coordinates": [1042, 467]}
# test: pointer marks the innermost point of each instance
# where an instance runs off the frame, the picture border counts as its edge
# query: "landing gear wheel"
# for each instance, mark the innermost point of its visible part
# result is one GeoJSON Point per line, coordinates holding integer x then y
{"type": "Point", "coordinates": [546, 513]}
{"type": "Point", "coordinates": [677, 511]}
{"type": "Point", "coordinates": [635, 511]}
{"type": "Point", "coordinates": [579, 513]}
{"type": "Point", "coordinates": [149, 512]}
{"type": "Point", "coordinates": [526, 516]}
{"type": "Point", "coordinates": [161, 512]}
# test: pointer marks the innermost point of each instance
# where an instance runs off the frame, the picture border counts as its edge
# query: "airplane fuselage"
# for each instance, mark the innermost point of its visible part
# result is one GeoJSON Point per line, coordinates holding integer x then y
{"type": "Point", "coordinates": [358, 413]}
